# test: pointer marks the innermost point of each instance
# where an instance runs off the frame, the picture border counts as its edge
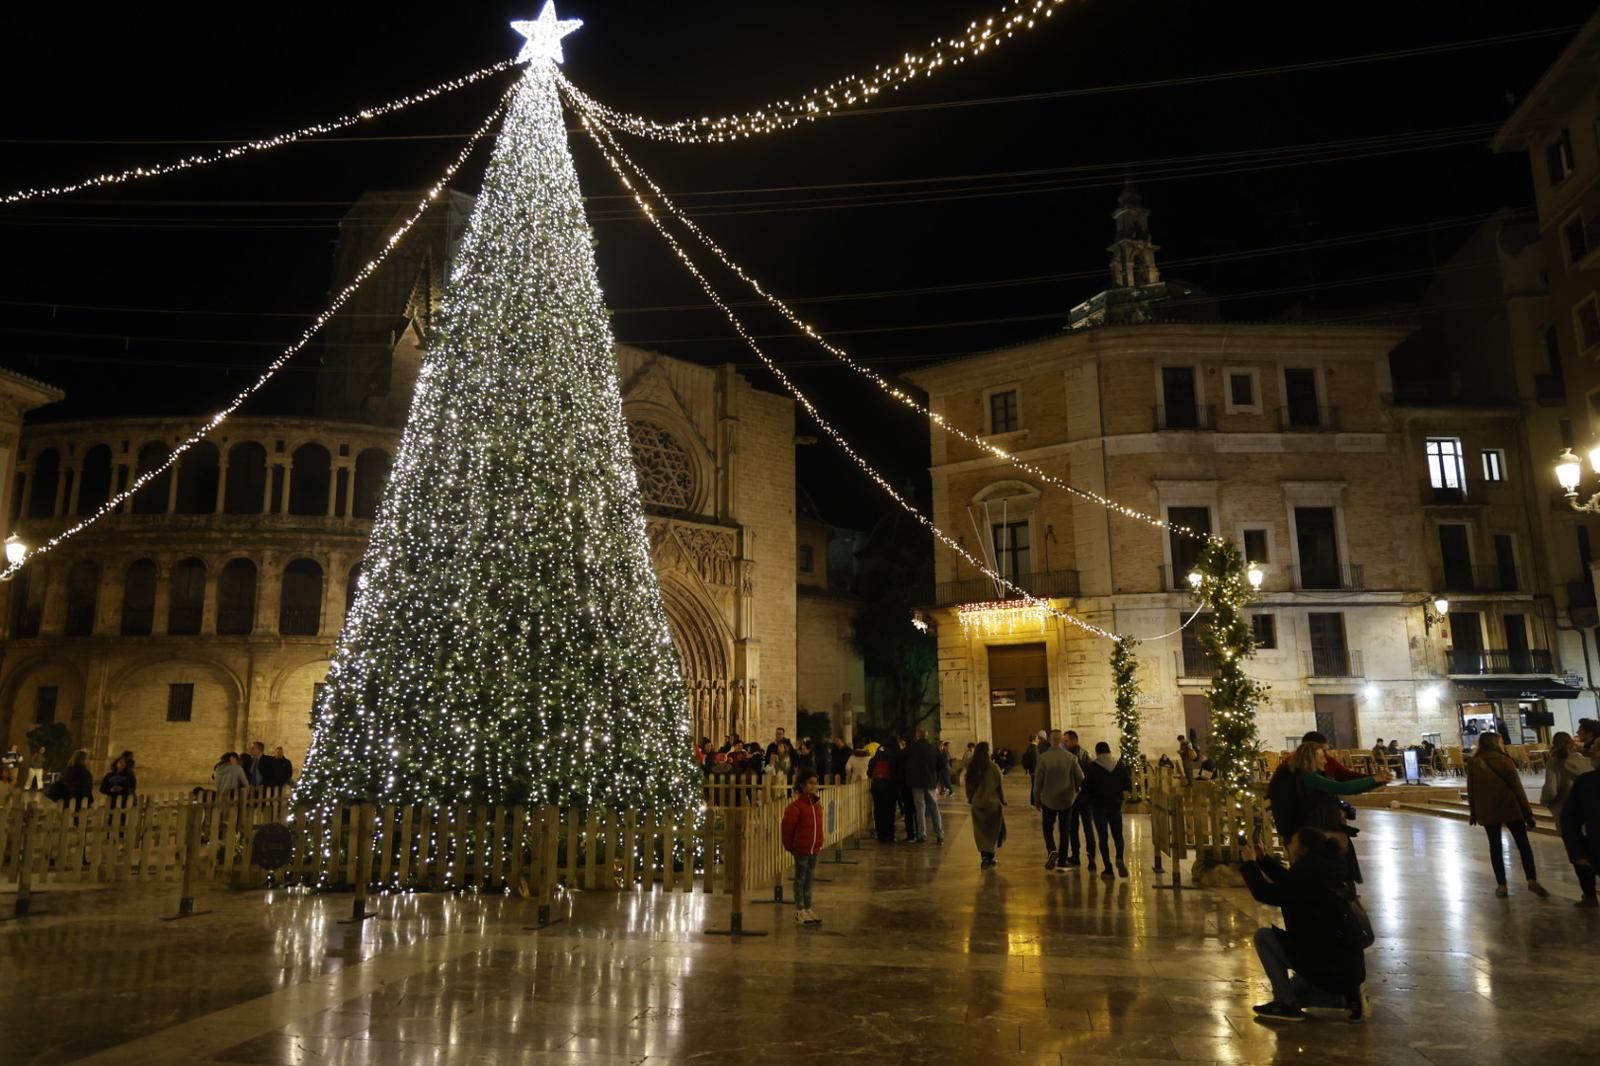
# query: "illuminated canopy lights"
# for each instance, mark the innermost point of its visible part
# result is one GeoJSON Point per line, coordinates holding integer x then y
{"type": "Point", "coordinates": [234, 151]}
{"type": "Point", "coordinates": [981, 36]}
{"type": "Point", "coordinates": [117, 500]}
{"type": "Point", "coordinates": [616, 157]}
{"type": "Point", "coordinates": [1002, 617]}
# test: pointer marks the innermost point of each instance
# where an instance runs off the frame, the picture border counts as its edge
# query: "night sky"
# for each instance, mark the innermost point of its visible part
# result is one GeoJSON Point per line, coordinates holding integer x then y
{"type": "Point", "coordinates": [1279, 192]}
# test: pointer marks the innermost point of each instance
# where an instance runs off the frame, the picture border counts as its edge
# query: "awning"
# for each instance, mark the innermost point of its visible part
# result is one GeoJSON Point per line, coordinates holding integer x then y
{"type": "Point", "coordinates": [1525, 689]}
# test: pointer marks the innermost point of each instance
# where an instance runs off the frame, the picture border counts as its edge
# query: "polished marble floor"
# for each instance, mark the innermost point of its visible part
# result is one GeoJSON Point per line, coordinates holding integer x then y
{"type": "Point", "coordinates": [922, 959]}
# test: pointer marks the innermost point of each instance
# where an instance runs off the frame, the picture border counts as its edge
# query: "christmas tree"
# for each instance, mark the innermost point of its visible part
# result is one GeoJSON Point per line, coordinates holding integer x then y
{"type": "Point", "coordinates": [507, 642]}
{"type": "Point", "coordinates": [1221, 584]}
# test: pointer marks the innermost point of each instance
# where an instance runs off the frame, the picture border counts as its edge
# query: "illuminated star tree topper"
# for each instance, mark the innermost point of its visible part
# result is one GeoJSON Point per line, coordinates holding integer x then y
{"type": "Point", "coordinates": [508, 642]}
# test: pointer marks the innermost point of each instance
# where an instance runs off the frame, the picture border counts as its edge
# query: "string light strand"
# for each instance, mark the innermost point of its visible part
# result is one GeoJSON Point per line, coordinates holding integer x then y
{"type": "Point", "coordinates": [221, 155]}
{"type": "Point", "coordinates": [288, 353]}
{"type": "Point", "coordinates": [981, 36]}
{"type": "Point", "coordinates": [1022, 596]}
{"type": "Point", "coordinates": [889, 388]}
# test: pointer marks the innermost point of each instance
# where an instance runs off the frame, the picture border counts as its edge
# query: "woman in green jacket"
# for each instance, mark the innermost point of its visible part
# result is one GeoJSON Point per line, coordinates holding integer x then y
{"type": "Point", "coordinates": [1317, 797]}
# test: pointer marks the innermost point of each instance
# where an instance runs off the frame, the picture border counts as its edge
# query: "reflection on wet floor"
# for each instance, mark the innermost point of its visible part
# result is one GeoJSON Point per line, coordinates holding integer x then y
{"type": "Point", "coordinates": [922, 959]}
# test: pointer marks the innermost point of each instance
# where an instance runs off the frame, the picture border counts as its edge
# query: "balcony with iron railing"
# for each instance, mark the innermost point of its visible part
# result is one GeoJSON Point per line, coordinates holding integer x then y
{"type": "Point", "coordinates": [1192, 664]}
{"type": "Point", "coordinates": [1318, 576]}
{"type": "Point", "coordinates": [1465, 578]}
{"type": "Point", "coordinates": [1448, 495]}
{"type": "Point", "coordinates": [1333, 662]}
{"type": "Point", "coordinates": [1307, 419]}
{"type": "Point", "coordinates": [1490, 661]}
{"type": "Point", "coordinates": [1044, 583]}
{"type": "Point", "coordinates": [1185, 416]}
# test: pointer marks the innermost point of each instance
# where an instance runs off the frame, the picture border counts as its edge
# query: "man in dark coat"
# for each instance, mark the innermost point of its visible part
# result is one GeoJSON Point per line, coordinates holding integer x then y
{"type": "Point", "coordinates": [922, 778]}
{"type": "Point", "coordinates": [841, 757]}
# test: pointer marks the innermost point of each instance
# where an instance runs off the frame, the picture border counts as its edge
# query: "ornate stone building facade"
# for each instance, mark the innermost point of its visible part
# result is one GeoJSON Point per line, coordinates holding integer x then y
{"type": "Point", "coordinates": [202, 615]}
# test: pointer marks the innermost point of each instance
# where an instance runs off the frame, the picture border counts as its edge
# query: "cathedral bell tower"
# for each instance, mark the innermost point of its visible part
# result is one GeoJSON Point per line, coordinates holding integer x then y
{"type": "Point", "coordinates": [1136, 285]}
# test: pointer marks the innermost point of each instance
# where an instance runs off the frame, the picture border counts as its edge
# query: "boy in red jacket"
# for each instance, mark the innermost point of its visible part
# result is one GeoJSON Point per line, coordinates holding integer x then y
{"type": "Point", "coordinates": [802, 838]}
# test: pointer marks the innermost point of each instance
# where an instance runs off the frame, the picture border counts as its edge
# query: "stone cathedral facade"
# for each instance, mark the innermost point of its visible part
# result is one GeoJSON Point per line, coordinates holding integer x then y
{"type": "Point", "coordinates": [201, 616]}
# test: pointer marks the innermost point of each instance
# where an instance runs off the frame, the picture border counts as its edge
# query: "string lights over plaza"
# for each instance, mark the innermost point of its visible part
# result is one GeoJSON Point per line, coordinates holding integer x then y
{"type": "Point", "coordinates": [118, 499]}
{"type": "Point", "coordinates": [981, 36]}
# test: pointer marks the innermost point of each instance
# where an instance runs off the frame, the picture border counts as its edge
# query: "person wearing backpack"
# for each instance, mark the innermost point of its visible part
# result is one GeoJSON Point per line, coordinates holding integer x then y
{"type": "Point", "coordinates": [1317, 958]}
{"type": "Point", "coordinates": [1495, 798]}
{"type": "Point", "coordinates": [885, 791]}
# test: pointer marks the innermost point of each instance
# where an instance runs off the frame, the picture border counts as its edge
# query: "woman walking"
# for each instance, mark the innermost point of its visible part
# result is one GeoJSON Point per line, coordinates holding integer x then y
{"type": "Point", "coordinates": [1565, 765]}
{"type": "Point", "coordinates": [1495, 798]}
{"type": "Point", "coordinates": [987, 795]}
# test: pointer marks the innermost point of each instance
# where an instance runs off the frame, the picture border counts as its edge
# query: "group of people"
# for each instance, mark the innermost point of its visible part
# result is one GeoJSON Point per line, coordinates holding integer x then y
{"type": "Point", "coordinates": [781, 756]}
{"type": "Point", "coordinates": [75, 785]}
{"type": "Point", "coordinates": [235, 773]}
{"type": "Point", "coordinates": [1081, 794]}
{"type": "Point", "coordinates": [908, 777]}
{"type": "Point", "coordinates": [1496, 799]}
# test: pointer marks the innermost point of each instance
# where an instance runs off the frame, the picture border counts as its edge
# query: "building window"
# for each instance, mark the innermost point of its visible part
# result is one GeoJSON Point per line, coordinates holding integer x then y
{"type": "Point", "coordinates": [1317, 539]}
{"type": "Point", "coordinates": [138, 599]}
{"type": "Point", "coordinates": [1330, 656]}
{"type": "Point", "coordinates": [666, 469]}
{"type": "Point", "coordinates": [1257, 546]}
{"type": "Point", "coordinates": [1003, 417]}
{"type": "Point", "coordinates": [1186, 549]}
{"type": "Point", "coordinates": [1011, 550]}
{"type": "Point", "coordinates": [1446, 468]}
{"type": "Point", "coordinates": [300, 606]}
{"type": "Point", "coordinates": [1505, 561]}
{"type": "Point", "coordinates": [1587, 317]}
{"type": "Point", "coordinates": [44, 704]}
{"type": "Point", "coordinates": [1266, 627]}
{"type": "Point", "coordinates": [83, 588]}
{"type": "Point", "coordinates": [1180, 400]}
{"type": "Point", "coordinates": [1455, 552]}
{"type": "Point", "coordinates": [236, 598]}
{"type": "Point", "coordinates": [186, 603]}
{"type": "Point", "coordinates": [1302, 404]}
{"type": "Point", "coordinates": [807, 559]}
{"type": "Point", "coordinates": [1558, 158]}
{"type": "Point", "coordinates": [1244, 390]}
{"type": "Point", "coordinates": [1574, 239]}
{"type": "Point", "coordinates": [1494, 464]}
{"type": "Point", "coordinates": [180, 702]}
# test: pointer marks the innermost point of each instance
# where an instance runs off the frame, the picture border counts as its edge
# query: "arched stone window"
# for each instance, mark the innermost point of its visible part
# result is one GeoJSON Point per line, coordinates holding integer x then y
{"type": "Point", "coordinates": [94, 481]}
{"type": "Point", "coordinates": [152, 499]}
{"type": "Point", "coordinates": [27, 602]}
{"type": "Point", "coordinates": [197, 479]}
{"type": "Point", "coordinates": [46, 476]}
{"type": "Point", "coordinates": [236, 598]}
{"type": "Point", "coordinates": [139, 599]}
{"type": "Point", "coordinates": [83, 589]}
{"type": "Point", "coordinates": [666, 470]}
{"type": "Point", "coordinates": [350, 588]}
{"type": "Point", "coordinates": [372, 473]}
{"type": "Point", "coordinates": [247, 479]}
{"type": "Point", "coordinates": [300, 609]}
{"type": "Point", "coordinates": [308, 480]}
{"type": "Point", "coordinates": [187, 598]}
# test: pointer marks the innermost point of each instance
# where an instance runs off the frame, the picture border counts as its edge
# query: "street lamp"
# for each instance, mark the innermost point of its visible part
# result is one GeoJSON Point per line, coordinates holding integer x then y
{"type": "Point", "coordinates": [1256, 576]}
{"type": "Point", "coordinates": [1569, 472]}
{"type": "Point", "coordinates": [1194, 579]}
{"type": "Point", "coordinates": [1435, 617]}
{"type": "Point", "coordinates": [16, 550]}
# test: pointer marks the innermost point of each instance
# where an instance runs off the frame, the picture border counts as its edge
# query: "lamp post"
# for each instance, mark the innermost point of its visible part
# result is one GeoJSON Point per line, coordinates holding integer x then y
{"type": "Point", "coordinates": [16, 551]}
{"type": "Point", "coordinates": [1440, 610]}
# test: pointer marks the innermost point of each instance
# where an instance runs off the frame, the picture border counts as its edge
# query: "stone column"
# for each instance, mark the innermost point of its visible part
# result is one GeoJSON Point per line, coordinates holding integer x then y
{"type": "Point", "coordinates": [208, 602]}
{"type": "Point", "coordinates": [266, 489]}
{"type": "Point", "coordinates": [222, 483]}
{"type": "Point", "coordinates": [62, 474]}
{"type": "Point", "coordinates": [24, 494]}
{"type": "Point", "coordinates": [108, 603]}
{"type": "Point", "coordinates": [158, 625]}
{"type": "Point", "coordinates": [333, 494]}
{"type": "Point", "coordinates": [172, 487]}
{"type": "Point", "coordinates": [288, 474]}
{"type": "Point", "coordinates": [77, 491]}
{"type": "Point", "coordinates": [269, 591]}
{"type": "Point", "coordinates": [119, 484]}
{"type": "Point", "coordinates": [54, 615]}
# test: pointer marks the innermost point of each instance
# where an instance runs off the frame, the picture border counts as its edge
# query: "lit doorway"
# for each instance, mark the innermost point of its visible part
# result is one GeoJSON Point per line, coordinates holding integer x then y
{"type": "Point", "coordinates": [1336, 719]}
{"type": "Point", "coordinates": [1019, 695]}
{"type": "Point", "coordinates": [1476, 720]}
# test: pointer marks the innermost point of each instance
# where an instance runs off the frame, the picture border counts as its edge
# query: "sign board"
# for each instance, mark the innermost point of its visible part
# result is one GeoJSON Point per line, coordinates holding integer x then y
{"type": "Point", "coordinates": [831, 806]}
{"type": "Point", "coordinates": [272, 847]}
{"type": "Point", "coordinates": [1574, 681]}
{"type": "Point", "coordinates": [1413, 774]}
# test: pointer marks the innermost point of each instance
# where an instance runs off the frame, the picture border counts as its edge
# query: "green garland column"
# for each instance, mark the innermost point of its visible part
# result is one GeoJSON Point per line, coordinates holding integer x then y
{"type": "Point", "coordinates": [1230, 640]}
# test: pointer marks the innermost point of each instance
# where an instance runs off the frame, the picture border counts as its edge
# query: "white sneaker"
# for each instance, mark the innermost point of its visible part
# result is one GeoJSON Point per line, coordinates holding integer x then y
{"type": "Point", "coordinates": [800, 917]}
{"type": "Point", "coordinates": [811, 917]}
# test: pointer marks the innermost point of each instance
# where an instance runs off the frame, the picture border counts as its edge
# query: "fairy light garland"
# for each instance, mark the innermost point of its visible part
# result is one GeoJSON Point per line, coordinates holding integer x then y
{"type": "Point", "coordinates": [1229, 639]}
{"type": "Point", "coordinates": [117, 500]}
{"type": "Point", "coordinates": [981, 36]}
{"type": "Point", "coordinates": [597, 132]}
{"type": "Point", "coordinates": [1022, 595]}
{"type": "Point", "coordinates": [222, 155]}
{"type": "Point", "coordinates": [1001, 618]}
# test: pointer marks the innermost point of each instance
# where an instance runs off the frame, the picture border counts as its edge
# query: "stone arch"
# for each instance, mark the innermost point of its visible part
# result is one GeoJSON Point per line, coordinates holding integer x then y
{"type": "Point", "coordinates": [310, 474]}
{"type": "Point", "coordinates": [16, 694]}
{"type": "Point", "coordinates": [198, 474]}
{"type": "Point", "coordinates": [152, 499]}
{"type": "Point", "coordinates": [371, 475]}
{"type": "Point", "coordinates": [174, 754]}
{"type": "Point", "coordinates": [46, 480]}
{"type": "Point", "coordinates": [247, 478]}
{"type": "Point", "coordinates": [676, 472]}
{"type": "Point", "coordinates": [705, 655]}
{"type": "Point", "coordinates": [94, 479]}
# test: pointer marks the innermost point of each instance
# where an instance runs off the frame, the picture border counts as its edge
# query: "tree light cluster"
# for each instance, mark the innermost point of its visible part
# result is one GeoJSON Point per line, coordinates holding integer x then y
{"type": "Point", "coordinates": [1229, 639]}
{"type": "Point", "coordinates": [508, 641]}
{"type": "Point", "coordinates": [981, 36]}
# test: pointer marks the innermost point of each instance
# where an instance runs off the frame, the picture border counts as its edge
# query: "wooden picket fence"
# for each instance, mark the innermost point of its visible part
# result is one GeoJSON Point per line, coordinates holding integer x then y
{"type": "Point", "coordinates": [1197, 821]}
{"type": "Point", "coordinates": [201, 840]}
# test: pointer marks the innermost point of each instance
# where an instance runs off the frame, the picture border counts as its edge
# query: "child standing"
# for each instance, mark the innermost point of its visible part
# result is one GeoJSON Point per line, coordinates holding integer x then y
{"type": "Point", "coordinates": [802, 838]}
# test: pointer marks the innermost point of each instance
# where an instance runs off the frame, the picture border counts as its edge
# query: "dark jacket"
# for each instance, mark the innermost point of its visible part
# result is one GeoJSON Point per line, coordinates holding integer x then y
{"type": "Point", "coordinates": [942, 766]}
{"type": "Point", "coordinates": [1030, 757]}
{"type": "Point", "coordinates": [841, 759]}
{"type": "Point", "coordinates": [1103, 788]}
{"type": "Point", "coordinates": [1307, 892]}
{"type": "Point", "coordinates": [119, 783]}
{"type": "Point", "coordinates": [921, 766]}
{"type": "Point", "coordinates": [275, 772]}
{"type": "Point", "coordinates": [77, 783]}
{"type": "Point", "coordinates": [1495, 795]}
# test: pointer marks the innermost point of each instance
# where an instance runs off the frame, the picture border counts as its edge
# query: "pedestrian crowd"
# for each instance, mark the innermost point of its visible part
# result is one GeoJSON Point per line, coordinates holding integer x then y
{"type": "Point", "coordinates": [75, 785]}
